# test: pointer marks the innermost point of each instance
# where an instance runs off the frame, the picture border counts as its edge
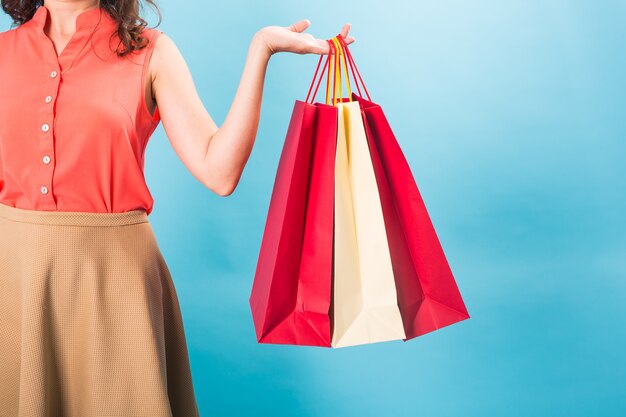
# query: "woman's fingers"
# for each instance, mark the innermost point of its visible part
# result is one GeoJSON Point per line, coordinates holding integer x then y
{"type": "Point", "coordinates": [317, 46]}
{"type": "Point", "coordinates": [321, 46]}
{"type": "Point", "coordinates": [344, 33]}
{"type": "Point", "coordinates": [345, 29]}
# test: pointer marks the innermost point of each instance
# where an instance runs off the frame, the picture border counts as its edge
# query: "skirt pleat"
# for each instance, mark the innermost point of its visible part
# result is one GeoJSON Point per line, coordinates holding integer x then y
{"type": "Point", "coordinates": [90, 323]}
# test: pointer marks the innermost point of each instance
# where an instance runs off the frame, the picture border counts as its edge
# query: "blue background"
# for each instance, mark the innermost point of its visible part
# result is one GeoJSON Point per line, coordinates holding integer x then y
{"type": "Point", "coordinates": [512, 117]}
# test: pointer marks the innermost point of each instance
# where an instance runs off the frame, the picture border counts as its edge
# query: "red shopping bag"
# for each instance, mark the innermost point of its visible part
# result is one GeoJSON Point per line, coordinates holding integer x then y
{"type": "Point", "coordinates": [291, 293]}
{"type": "Point", "coordinates": [428, 295]}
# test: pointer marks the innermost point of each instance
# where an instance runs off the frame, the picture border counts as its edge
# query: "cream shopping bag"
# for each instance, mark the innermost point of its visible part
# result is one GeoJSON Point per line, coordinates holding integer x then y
{"type": "Point", "coordinates": [365, 305]}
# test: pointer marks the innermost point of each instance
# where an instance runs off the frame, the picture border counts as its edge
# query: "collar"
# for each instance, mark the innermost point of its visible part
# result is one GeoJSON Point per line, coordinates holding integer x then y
{"type": "Point", "coordinates": [87, 19]}
{"type": "Point", "coordinates": [87, 22]}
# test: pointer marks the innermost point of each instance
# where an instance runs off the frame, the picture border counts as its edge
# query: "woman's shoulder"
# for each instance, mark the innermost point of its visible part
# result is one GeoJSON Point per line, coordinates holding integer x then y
{"type": "Point", "coordinates": [151, 33]}
{"type": "Point", "coordinates": [162, 44]}
{"type": "Point", "coordinates": [165, 52]}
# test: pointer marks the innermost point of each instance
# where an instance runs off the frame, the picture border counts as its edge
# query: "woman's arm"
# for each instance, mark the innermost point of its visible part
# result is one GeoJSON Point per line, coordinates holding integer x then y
{"type": "Point", "coordinates": [216, 156]}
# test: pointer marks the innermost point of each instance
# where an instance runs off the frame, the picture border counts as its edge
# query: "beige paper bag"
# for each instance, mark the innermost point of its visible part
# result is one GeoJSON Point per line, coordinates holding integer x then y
{"type": "Point", "coordinates": [365, 307]}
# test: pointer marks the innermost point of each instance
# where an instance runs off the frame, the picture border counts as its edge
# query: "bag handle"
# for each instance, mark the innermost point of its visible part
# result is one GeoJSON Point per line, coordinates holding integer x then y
{"type": "Point", "coordinates": [327, 64]}
{"type": "Point", "coordinates": [333, 59]}
{"type": "Point", "coordinates": [353, 66]}
{"type": "Point", "coordinates": [339, 58]}
{"type": "Point", "coordinates": [338, 53]}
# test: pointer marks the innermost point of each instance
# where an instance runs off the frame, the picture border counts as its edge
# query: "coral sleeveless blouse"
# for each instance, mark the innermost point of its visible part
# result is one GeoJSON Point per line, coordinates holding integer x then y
{"type": "Point", "coordinates": [74, 127]}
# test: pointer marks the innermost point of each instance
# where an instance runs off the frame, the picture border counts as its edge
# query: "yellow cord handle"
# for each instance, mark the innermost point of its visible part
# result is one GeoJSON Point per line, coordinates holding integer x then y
{"type": "Point", "coordinates": [342, 57]}
{"type": "Point", "coordinates": [337, 74]}
{"type": "Point", "coordinates": [336, 58]}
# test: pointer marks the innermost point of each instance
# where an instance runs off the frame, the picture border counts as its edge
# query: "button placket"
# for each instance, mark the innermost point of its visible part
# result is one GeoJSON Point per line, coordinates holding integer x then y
{"type": "Point", "coordinates": [46, 144]}
{"type": "Point", "coordinates": [51, 72]}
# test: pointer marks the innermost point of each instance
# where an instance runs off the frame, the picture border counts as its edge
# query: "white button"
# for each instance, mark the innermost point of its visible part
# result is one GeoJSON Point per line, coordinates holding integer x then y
{"type": "Point", "coordinates": [44, 189]}
{"type": "Point", "coordinates": [45, 127]}
{"type": "Point", "coordinates": [46, 159]}
{"type": "Point", "coordinates": [53, 74]}
{"type": "Point", "coordinates": [48, 99]}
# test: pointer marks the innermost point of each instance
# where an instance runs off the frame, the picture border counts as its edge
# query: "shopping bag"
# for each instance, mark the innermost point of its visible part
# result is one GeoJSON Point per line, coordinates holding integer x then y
{"type": "Point", "coordinates": [365, 308]}
{"type": "Point", "coordinates": [291, 292]}
{"type": "Point", "coordinates": [428, 295]}
{"type": "Point", "coordinates": [349, 254]}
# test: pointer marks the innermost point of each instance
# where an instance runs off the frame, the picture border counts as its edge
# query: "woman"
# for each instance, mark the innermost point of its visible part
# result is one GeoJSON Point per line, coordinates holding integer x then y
{"type": "Point", "coordinates": [90, 323]}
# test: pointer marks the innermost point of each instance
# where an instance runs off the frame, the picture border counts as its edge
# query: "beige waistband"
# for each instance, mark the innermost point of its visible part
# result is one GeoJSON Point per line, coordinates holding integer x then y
{"type": "Point", "coordinates": [72, 218]}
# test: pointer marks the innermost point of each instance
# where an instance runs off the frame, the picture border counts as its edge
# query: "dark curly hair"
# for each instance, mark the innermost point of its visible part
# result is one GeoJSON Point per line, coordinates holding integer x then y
{"type": "Point", "coordinates": [124, 12]}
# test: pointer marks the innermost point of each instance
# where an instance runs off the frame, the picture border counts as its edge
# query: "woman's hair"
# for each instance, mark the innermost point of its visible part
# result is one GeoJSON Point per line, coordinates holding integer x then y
{"type": "Point", "coordinates": [124, 12]}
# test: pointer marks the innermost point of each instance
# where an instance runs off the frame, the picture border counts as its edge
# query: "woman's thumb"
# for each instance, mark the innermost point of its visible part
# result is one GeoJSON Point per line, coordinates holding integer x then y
{"type": "Point", "coordinates": [300, 25]}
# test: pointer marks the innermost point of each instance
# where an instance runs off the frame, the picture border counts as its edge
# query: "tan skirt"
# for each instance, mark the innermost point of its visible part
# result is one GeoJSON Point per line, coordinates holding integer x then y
{"type": "Point", "coordinates": [90, 323]}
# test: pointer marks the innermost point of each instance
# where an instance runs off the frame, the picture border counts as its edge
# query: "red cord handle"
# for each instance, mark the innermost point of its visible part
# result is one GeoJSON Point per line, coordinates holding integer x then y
{"type": "Point", "coordinates": [315, 76]}
{"type": "Point", "coordinates": [326, 65]}
{"type": "Point", "coordinates": [353, 66]}
{"type": "Point", "coordinates": [335, 56]}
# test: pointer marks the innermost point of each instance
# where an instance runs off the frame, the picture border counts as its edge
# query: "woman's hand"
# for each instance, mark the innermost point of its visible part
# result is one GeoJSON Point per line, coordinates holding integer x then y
{"type": "Point", "coordinates": [291, 39]}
